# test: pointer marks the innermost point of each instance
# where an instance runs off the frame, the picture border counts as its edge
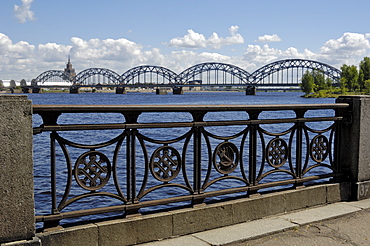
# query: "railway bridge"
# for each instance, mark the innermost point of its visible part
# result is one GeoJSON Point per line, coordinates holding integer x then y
{"type": "Point", "coordinates": [282, 75]}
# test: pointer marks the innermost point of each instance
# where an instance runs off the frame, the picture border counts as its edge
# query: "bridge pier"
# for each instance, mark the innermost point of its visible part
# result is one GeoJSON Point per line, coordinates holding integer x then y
{"type": "Point", "coordinates": [74, 90]}
{"type": "Point", "coordinates": [177, 91]}
{"type": "Point", "coordinates": [251, 90]}
{"type": "Point", "coordinates": [25, 90]}
{"type": "Point", "coordinates": [121, 90]}
{"type": "Point", "coordinates": [161, 91]}
{"type": "Point", "coordinates": [36, 90]}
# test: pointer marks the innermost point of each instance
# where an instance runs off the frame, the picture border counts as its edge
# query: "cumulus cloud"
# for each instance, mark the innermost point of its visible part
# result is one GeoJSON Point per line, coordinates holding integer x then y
{"type": "Point", "coordinates": [16, 58]}
{"type": "Point", "coordinates": [108, 49]}
{"type": "Point", "coordinates": [347, 48]}
{"type": "Point", "coordinates": [190, 40]}
{"type": "Point", "coordinates": [23, 12]}
{"type": "Point", "coordinates": [22, 60]}
{"type": "Point", "coordinates": [10, 50]}
{"type": "Point", "coordinates": [113, 53]}
{"type": "Point", "coordinates": [263, 54]}
{"type": "Point", "coordinates": [269, 38]}
{"type": "Point", "coordinates": [52, 52]}
{"type": "Point", "coordinates": [196, 40]}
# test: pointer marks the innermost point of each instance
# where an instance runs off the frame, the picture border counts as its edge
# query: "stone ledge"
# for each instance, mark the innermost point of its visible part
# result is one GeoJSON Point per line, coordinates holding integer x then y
{"type": "Point", "coordinates": [33, 242]}
{"type": "Point", "coordinates": [153, 227]}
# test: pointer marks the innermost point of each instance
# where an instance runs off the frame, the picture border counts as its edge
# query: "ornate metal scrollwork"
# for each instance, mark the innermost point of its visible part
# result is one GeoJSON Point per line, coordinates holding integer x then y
{"type": "Point", "coordinates": [92, 170]}
{"type": "Point", "coordinates": [225, 157]}
{"type": "Point", "coordinates": [165, 163]}
{"type": "Point", "coordinates": [277, 152]}
{"type": "Point", "coordinates": [319, 148]}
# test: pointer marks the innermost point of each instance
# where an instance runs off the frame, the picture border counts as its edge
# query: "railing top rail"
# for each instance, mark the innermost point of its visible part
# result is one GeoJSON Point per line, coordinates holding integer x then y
{"type": "Point", "coordinates": [39, 109]}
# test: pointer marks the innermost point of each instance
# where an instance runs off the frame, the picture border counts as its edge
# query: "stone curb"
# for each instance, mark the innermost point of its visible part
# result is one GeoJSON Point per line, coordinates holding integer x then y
{"type": "Point", "coordinates": [266, 226]}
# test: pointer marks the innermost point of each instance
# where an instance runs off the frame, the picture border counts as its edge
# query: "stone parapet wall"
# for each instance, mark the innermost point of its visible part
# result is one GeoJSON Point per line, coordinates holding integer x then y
{"type": "Point", "coordinates": [17, 219]}
{"type": "Point", "coordinates": [354, 154]}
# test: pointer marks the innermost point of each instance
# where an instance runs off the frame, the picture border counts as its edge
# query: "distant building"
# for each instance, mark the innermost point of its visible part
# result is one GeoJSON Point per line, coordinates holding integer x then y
{"type": "Point", "coordinates": [70, 71]}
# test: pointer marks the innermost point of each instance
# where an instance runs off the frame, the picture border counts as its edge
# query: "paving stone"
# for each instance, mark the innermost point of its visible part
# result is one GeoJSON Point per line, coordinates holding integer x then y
{"type": "Point", "coordinates": [320, 213]}
{"type": "Point", "coordinates": [244, 231]}
{"type": "Point", "coordinates": [180, 241]}
{"type": "Point", "coordinates": [364, 204]}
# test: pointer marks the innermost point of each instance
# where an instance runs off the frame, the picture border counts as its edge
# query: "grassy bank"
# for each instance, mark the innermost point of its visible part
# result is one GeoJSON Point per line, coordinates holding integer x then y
{"type": "Point", "coordinates": [332, 93]}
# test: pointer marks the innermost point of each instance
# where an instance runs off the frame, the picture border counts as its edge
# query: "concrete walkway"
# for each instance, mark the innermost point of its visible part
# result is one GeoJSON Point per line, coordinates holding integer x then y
{"type": "Point", "coordinates": [345, 223]}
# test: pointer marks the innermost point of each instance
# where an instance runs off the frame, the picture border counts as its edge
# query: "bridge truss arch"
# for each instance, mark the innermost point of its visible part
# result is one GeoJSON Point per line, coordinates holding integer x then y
{"type": "Point", "coordinates": [47, 75]}
{"type": "Point", "coordinates": [82, 78]}
{"type": "Point", "coordinates": [223, 74]}
{"type": "Point", "coordinates": [148, 75]}
{"type": "Point", "coordinates": [275, 67]}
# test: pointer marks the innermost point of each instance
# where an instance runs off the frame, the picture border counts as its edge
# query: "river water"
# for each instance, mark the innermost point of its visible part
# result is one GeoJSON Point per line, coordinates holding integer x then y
{"type": "Point", "coordinates": [42, 141]}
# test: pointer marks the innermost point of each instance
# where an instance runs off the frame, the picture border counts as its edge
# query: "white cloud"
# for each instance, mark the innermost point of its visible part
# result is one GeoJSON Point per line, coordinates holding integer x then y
{"type": "Point", "coordinates": [346, 49]}
{"type": "Point", "coordinates": [16, 58]}
{"type": "Point", "coordinates": [23, 60]}
{"type": "Point", "coordinates": [269, 38]}
{"type": "Point", "coordinates": [190, 40]}
{"type": "Point", "coordinates": [197, 40]}
{"type": "Point", "coordinates": [23, 12]}
{"type": "Point", "coordinates": [115, 54]}
{"type": "Point", "coordinates": [52, 52]}
{"type": "Point", "coordinates": [10, 50]}
{"type": "Point", "coordinates": [260, 55]}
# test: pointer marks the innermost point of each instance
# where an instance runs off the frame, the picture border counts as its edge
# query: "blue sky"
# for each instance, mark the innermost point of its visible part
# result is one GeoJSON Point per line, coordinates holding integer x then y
{"type": "Point", "coordinates": [38, 35]}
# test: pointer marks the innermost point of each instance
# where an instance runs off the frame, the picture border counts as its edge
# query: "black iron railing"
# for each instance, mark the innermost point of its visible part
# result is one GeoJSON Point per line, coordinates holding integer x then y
{"type": "Point", "coordinates": [141, 168]}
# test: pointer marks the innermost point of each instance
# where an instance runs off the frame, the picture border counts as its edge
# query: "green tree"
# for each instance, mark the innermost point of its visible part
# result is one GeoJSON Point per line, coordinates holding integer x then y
{"type": "Point", "coordinates": [308, 83]}
{"type": "Point", "coordinates": [23, 82]}
{"type": "Point", "coordinates": [319, 80]}
{"type": "Point", "coordinates": [1, 83]}
{"type": "Point", "coordinates": [329, 83]}
{"type": "Point", "coordinates": [365, 68]}
{"type": "Point", "coordinates": [349, 78]}
{"type": "Point", "coordinates": [361, 80]}
{"type": "Point", "coordinates": [367, 86]}
{"type": "Point", "coordinates": [364, 72]}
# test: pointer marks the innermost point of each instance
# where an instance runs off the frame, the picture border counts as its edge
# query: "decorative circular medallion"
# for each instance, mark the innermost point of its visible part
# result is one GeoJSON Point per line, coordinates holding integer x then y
{"type": "Point", "coordinates": [277, 152]}
{"type": "Point", "coordinates": [165, 163]}
{"type": "Point", "coordinates": [92, 170]}
{"type": "Point", "coordinates": [319, 148]}
{"type": "Point", "coordinates": [225, 157]}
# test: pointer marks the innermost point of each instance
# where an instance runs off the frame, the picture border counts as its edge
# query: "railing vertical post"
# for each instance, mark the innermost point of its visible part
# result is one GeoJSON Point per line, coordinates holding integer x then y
{"type": "Point", "coordinates": [53, 183]}
{"type": "Point", "coordinates": [131, 161]}
{"type": "Point", "coordinates": [197, 157]}
{"type": "Point", "coordinates": [253, 115]}
{"type": "Point", "coordinates": [133, 165]}
{"type": "Point", "coordinates": [299, 138]}
{"type": "Point", "coordinates": [128, 165]}
{"type": "Point", "coordinates": [53, 174]}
